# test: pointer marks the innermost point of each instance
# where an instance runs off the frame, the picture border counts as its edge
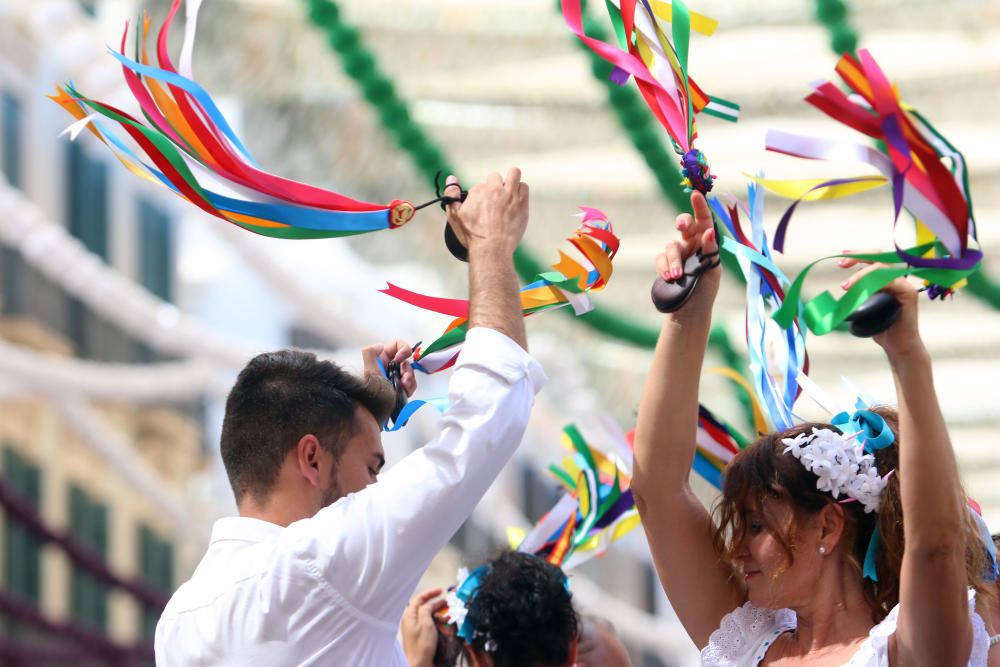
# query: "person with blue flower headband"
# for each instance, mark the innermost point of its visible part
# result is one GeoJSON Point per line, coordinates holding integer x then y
{"type": "Point", "coordinates": [514, 611]}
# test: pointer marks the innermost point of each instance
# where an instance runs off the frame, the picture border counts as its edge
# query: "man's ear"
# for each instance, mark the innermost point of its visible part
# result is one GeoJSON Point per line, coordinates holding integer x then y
{"type": "Point", "coordinates": [307, 458]}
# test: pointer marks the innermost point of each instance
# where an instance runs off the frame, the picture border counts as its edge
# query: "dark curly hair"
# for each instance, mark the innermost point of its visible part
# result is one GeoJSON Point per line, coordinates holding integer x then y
{"type": "Point", "coordinates": [523, 613]}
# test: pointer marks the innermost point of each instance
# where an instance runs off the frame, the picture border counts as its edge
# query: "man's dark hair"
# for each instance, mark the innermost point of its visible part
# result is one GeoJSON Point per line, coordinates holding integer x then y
{"type": "Point", "coordinates": [280, 397]}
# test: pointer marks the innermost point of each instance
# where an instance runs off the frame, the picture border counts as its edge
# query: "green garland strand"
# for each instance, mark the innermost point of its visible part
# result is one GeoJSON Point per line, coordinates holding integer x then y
{"type": "Point", "coordinates": [835, 17]}
{"type": "Point", "coordinates": [361, 65]}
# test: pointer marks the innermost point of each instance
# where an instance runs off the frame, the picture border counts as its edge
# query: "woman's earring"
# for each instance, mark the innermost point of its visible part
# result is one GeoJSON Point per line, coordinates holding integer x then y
{"type": "Point", "coordinates": [822, 549]}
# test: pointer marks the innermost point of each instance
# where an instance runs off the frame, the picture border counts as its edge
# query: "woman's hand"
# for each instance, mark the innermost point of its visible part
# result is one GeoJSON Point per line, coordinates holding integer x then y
{"type": "Point", "coordinates": [418, 630]}
{"type": "Point", "coordinates": [697, 236]}
{"type": "Point", "coordinates": [903, 337]}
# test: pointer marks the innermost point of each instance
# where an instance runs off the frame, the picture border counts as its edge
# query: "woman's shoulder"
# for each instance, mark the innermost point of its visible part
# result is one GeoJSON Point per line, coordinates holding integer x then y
{"type": "Point", "coordinates": [744, 636]}
{"type": "Point", "coordinates": [875, 651]}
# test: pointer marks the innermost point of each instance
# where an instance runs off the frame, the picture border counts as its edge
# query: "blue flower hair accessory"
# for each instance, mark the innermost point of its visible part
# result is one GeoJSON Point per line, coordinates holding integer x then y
{"type": "Point", "coordinates": [871, 428]}
{"type": "Point", "coordinates": [460, 599]}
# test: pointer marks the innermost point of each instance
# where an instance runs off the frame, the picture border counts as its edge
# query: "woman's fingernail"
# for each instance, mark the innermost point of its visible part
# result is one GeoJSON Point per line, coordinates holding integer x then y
{"type": "Point", "coordinates": [668, 275]}
{"type": "Point", "coordinates": [677, 273]}
{"type": "Point", "coordinates": [844, 285]}
{"type": "Point", "coordinates": [711, 235]}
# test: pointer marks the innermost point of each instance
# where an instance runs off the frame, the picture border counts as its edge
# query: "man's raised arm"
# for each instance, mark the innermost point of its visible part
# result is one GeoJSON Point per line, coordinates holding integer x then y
{"type": "Point", "coordinates": [393, 529]}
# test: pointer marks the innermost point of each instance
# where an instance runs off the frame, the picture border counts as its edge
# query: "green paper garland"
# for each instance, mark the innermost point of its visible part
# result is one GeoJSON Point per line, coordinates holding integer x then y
{"type": "Point", "coordinates": [358, 63]}
{"type": "Point", "coordinates": [834, 15]}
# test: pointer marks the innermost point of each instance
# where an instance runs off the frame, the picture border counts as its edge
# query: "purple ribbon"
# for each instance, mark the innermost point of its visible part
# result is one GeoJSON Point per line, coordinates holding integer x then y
{"type": "Point", "coordinates": [624, 502]}
{"type": "Point", "coordinates": [779, 233]}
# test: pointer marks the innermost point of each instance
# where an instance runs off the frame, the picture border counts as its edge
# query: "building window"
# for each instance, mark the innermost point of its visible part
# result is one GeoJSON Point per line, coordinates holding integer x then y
{"type": "Point", "coordinates": [156, 563]}
{"type": "Point", "coordinates": [87, 199]}
{"type": "Point", "coordinates": [21, 549]}
{"type": "Point", "coordinates": [89, 526]}
{"type": "Point", "coordinates": [11, 264]}
{"type": "Point", "coordinates": [10, 113]}
{"type": "Point", "coordinates": [156, 250]}
{"type": "Point", "coordinates": [11, 270]}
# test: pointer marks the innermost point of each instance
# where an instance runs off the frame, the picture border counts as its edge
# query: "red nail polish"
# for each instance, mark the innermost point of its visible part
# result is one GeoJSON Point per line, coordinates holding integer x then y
{"type": "Point", "coordinates": [667, 275]}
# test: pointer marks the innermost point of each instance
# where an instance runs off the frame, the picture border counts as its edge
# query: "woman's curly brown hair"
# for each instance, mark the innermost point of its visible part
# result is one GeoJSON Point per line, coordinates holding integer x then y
{"type": "Point", "coordinates": [763, 473]}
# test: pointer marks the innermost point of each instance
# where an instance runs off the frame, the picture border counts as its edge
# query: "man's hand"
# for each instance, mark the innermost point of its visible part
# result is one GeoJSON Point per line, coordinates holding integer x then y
{"type": "Point", "coordinates": [418, 630]}
{"type": "Point", "coordinates": [397, 351]}
{"type": "Point", "coordinates": [494, 213]}
{"type": "Point", "coordinates": [490, 223]}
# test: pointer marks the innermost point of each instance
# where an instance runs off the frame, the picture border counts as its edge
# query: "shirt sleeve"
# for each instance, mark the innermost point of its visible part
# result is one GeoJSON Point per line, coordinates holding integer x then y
{"type": "Point", "coordinates": [373, 546]}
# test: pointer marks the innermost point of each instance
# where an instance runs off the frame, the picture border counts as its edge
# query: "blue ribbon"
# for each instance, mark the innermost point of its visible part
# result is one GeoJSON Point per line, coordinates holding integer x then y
{"type": "Point", "coordinates": [869, 569]}
{"type": "Point", "coordinates": [410, 408]}
{"type": "Point", "coordinates": [708, 472]}
{"type": "Point", "coordinates": [776, 398]}
{"type": "Point", "coordinates": [993, 569]}
{"type": "Point", "coordinates": [193, 89]}
{"type": "Point", "coordinates": [876, 432]}
{"type": "Point", "coordinates": [466, 593]}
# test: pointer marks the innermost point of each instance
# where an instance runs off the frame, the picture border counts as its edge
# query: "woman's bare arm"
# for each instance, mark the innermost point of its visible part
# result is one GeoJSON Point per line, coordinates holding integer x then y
{"type": "Point", "coordinates": [678, 527]}
{"type": "Point", "coordinates": [933, 627]}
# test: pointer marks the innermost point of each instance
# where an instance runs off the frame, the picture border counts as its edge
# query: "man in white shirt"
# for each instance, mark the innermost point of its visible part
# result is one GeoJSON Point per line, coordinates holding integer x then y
{"type": "Point", "coordinates": [318, 567]}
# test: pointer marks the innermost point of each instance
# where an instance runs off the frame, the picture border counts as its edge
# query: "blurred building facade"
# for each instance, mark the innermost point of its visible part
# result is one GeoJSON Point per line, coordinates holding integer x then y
{"type": "Point", "coordinates": [495, 84]}
{"type": "Point", "coordinates": [47, 459]}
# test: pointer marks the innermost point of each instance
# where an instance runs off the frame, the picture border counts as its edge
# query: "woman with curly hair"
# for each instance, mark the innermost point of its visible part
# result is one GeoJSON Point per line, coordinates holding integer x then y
{"type": "Point", "coordinates": [779, 578]}
{"type": "Point", "coordinates": [514, 611]}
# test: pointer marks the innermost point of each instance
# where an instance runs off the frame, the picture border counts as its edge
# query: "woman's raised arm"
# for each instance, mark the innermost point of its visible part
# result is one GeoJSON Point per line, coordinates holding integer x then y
{"type": "Point", "coordinates": [934, 626]}
{"type": "Point", "coordinates": [678, 527]}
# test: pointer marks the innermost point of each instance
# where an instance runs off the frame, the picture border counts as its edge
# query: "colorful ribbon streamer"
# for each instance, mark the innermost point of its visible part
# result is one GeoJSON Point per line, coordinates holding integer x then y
{"type": "Point", "coordinates": [716, 444]}
{"type": "Point", "coordinates": [824, 313]}
{"type": "Point", "coordinates": [569, 283]}
{"type": "Point", "coordinates": [596, 510]}
{"type": "Point", "coordinates": [193, 149]}
{"type": "Point", "coordinates": [776, 358]}
{"type": "Point", "coordinates": [927, 174]}
{"type": "Point", "coordinates": [658, 62]}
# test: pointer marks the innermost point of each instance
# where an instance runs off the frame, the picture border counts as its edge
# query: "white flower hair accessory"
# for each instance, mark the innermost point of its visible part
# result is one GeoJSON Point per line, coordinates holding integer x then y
{"type": "Point", "coordinates": [457, 611]}
{"type": "Point", "coordinates": [840, 465]}
{"type": "Point", "coordinates": [460, 598]}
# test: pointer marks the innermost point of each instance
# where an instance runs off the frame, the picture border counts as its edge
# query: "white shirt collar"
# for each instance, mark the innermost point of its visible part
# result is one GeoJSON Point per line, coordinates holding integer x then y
{"type": "Point", "coordinates": [244, 529]}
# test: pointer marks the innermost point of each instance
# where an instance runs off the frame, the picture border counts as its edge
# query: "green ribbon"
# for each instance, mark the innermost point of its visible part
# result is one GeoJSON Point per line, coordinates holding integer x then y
{"type": "Point", "coordinates": [680, 22]}
{"type": "Point", "coordinates": [824, 313]}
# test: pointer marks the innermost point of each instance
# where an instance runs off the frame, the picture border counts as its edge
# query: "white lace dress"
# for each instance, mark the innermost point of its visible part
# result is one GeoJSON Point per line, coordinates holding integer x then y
{"type": "Point", "coordinates": [747, 633]}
